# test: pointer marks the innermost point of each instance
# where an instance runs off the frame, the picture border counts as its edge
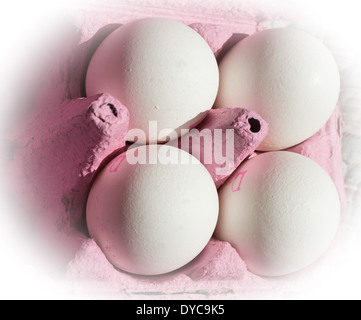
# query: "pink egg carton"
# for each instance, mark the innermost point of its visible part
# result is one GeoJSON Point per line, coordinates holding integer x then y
{"type": "Point", "coordinates": [61, 146]}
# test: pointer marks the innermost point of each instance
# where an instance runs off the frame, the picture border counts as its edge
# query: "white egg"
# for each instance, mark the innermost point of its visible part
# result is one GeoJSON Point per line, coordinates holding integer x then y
{"type": "Point", "coordinates": [280, 210]}
{"type": "Point", "coordinates": [151, 219]}
{"type": "Point", "coordinates": [287, 76]}
{"type": "Point", "coordinates": [160, 69]}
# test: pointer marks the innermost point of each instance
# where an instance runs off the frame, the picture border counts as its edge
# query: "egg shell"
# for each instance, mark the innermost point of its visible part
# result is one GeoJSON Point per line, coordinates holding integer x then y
{"type": "Point", "coordinates": [160, 69]}
{"type": "Point", "coordinates": [287, 76]}
{"type": "Point", "coordinates": [280, 210]}
{"type": "Point", "coordinates": [151, 219]}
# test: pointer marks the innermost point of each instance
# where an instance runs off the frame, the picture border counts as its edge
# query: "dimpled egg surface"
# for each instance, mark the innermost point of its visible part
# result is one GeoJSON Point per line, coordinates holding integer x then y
{"type": "Point", "coordinates": [287, 76]}
{"type": "Point", "coordinates": [152, 215]}
{"type": "Point", "coordinates": [280, 210]}
{"type": "Point", "coordinates": [160, 69]}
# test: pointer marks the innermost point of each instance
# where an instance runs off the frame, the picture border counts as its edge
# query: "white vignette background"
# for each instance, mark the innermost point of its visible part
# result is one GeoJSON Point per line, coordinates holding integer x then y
{"type": "Point", "coordinates": [24, 28]}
